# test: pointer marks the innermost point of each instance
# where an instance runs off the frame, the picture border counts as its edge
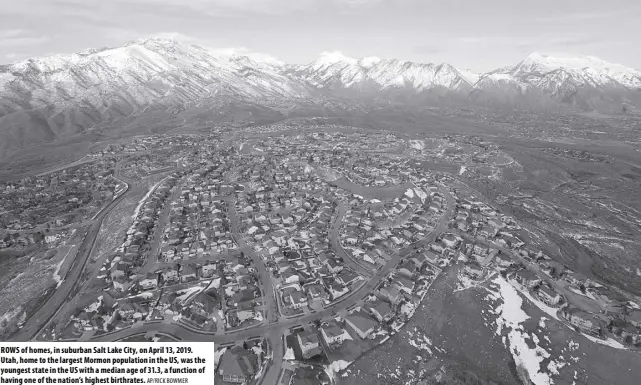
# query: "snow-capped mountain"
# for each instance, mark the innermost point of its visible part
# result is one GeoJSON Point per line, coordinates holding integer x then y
{"type": "Point", "coordinates": [471, 76]}
{"type": "Point", "coordinates": [146, 70]}
{"type": "Point", "coordinates": [585, 82]}
{"type": "Point", "coordinates": [42, 99]}
{"type": "Point", "coordinates": [335, 71]}
{"type": "Point", "coordinates": [589, 69]}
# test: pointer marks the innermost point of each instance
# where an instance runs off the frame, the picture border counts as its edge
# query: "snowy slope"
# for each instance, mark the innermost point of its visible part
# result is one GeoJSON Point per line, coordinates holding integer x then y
{"type": "Point", "coordinates": [335, 70]}
{"type": "Point", "coordinates": [49, 97]}
{"type": "Point", "coordinates": [589, 69]}
{"type": "Point", "coordinates": [42, 99]}
{"type": "Point", "coordinates": [587, 83]}
{"type": "Point", "coordinates": [190, 69]}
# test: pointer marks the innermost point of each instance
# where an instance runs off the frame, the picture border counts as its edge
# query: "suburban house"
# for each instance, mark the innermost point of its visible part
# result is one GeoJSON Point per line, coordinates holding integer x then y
{"type": "Point", "coordinates": [582, 319]}
{"type": "Point", "coordinates": [245, 310]}
{"type": "Point", "coordinates": [431, 257]}
{"type": "Point", "coordinates": [625, 332]}
{"type": "Point", "coordinates": [126, 310]}
{"type": "Point", "coordinates": [120, 269]}
{"type": "Point", "coordinates": [347, 277]}
{"type": "Point", "coordinates": [297, 299]}
{"type": "Point", "coordinates": [208, 270]}
{"type": "Point", "coordinates": [503, 261]}
{"type": "Point", "coordinates": [333, 265]}
{"type": "Point", "coordinates": [419, 260]}
{"type": "Point", "coordinates": [315, 291]}
{"type": "Point", "coordinates": [404, 284]}
{"type": "Point", "coordinates": [526, 278]}
{"type": "Point", "coordinates": [474, 270]}
{"type": "Point", "coordinates": [634, 317]}
{"type": "Point", "coordinates": [119, 283]}
{"type": "Point", "coordinates": [380, 310]}
{"type": "Point", "coordinates": [290, 276]}
{"type": "Point", "coordinates": [609, 300]}
{"type": "Point", "coordinates": [203, 304]}
{"type": "Point", "coordinates": [238, 365]}
{"type": "Point", "coordinates": [408, 268]}
{"type": "Point", "coordinates": [573, 278]}
{"type": "Point", "coordinates": [309, 344]}
{"type": "Point", "coordinates": [362, 323]}
{"type": "Point", "coordinates": [450, 240]}
{"type": "Point", "coordinates": [188, 273]}
{"type": "Point", "coordinates": [552, 268]}
{"type": "Point", "coordinates": [150, 281]}
{"type": "Point", "coordinates": [549, 296]}
{"type": "Point", "coordinates": [333, 334]}
{"type": "Point", "coordinates": [510, 241]}
{"type": "Point", "coordinates": [170, 275]}
{"type": "Point", "coordinates": [83, 319]}
{"type": "Point", "coordinates": [391, 293]}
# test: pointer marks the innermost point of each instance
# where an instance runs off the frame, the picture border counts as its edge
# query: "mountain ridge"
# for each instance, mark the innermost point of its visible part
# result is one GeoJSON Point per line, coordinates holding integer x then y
{"type": "Point", "coordinates": [61, 95]}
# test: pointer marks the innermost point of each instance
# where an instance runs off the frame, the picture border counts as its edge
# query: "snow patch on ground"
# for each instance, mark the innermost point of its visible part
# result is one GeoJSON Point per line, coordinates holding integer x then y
{"type": "Point", "coordinates": [554, 367]}
{"type": "Point", "coordinates": [215, 283]}
{"type": "Point", "coordinates": [542, 322]}
{"type": "Point", "coordinates": [510, 317]}
{"type": "Point", "coordinates": [421, 194]}
{"type": "Point", "coordinates": [289, 355]}
{"type": "Point", "coordinates": [339, 365]}
{"type": "Point", "coordinates": [579, 292]}
{"type": "Point", "coordinates": [408, 309]}
{"type": "Point", "coordinates": [609, 342]}
{"type": "Point", "coordinates": [551, 311]}
{"type": "Point", "coordinates": [186, 293]}
{"type": "Point", "coordinates": [217, 355]}
{"type": "Point", "coordinates": [142, 201]}
{"type": "Point", "coordinates": [257, 350]}
{"type": "Point", "coordinates": [417, 144]}
{"type": "Point", "coordinates": [94, 306]}
{"type": "Point", "coordinates": [464, 282]}
{"type": "Point", "coordinates": [10, 315]}
{"type": "Point", "coordinates": [420, 342]}
{"type": "Point", "coordinates": [56, 274]}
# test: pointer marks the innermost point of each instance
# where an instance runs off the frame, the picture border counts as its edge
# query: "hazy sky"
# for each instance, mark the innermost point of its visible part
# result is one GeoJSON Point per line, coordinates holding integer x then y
{"type": "Point", "coordinates": [476, 34]}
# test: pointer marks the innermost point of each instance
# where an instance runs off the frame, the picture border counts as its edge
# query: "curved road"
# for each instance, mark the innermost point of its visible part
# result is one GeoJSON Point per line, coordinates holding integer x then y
{"type": "Point", "coordinates": [274, 331]}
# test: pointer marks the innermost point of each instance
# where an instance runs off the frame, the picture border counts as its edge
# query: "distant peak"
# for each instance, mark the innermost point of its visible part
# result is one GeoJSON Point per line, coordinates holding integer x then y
{"type": "Point", "coordinates": [565, 58]}
{"type": "Point", "coordinates": [568, 61]}
{"type": "Point", "coordinates": [245, 55]}
{"type": "Point", "coordinates": [329, 58]}
{"type": "Point", "coordinates": [535, 56]}
{"type": "Point", "coordinates": [161, 40]}
{"type": "Point", "coordinates": [369, 61]}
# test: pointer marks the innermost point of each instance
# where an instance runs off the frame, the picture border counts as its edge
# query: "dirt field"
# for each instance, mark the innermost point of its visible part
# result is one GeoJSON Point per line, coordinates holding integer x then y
{"type": "Point", "coordinates": [456, 331]}
{"type": "Point", "coordinates": [453, 324]}
{"type": "Point", "coordinates": [28, 277]}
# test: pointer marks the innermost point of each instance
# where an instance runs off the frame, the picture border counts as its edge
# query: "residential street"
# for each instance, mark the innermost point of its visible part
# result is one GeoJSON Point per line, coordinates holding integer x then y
{"type": "Point", "coordinates": [271, 312]}
{"type": "Point", "coordinates": [559, 286]}
{"type": "Point", "coordinates": [274, 327]}
{"type": "Point", "coordinates": [336, 245]}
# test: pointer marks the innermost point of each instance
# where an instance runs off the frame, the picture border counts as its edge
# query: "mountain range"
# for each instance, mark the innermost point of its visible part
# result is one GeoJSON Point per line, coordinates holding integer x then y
{"type": "Point", "coordinates": [42, 99]}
